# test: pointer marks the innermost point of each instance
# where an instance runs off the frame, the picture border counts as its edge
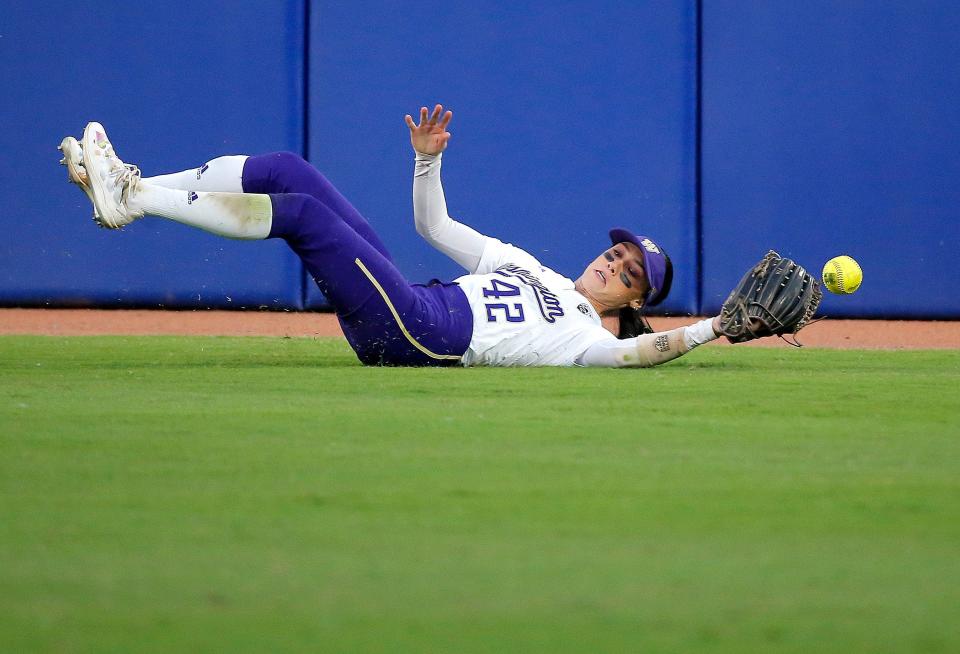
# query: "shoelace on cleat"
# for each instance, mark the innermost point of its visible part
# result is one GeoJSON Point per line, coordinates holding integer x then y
{"type": "Point", "coordinates": [126, 177]}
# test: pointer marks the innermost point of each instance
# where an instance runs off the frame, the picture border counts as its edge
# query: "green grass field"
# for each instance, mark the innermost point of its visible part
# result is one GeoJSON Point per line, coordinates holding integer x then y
{"type": "Point", "coordinates": [270, 495]}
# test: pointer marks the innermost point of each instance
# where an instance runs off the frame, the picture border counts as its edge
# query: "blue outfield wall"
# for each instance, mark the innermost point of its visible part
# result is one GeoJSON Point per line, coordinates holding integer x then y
{"type": "Point", "coordinates": [831, 128]}
{"type": "Point", "coordinates": [816, 129]}
{"type": "Point", "coordinates": [569, 119]}
{"type": "Point", "coordinates": [174, 83]}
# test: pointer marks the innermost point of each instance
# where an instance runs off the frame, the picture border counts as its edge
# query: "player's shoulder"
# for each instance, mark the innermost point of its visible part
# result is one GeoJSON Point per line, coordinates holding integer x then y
{"type": "Point", "coordinates": [497, 254]}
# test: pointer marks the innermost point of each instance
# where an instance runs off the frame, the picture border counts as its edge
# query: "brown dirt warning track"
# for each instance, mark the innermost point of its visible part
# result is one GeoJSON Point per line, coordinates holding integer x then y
{"type": "Point", "coordinates": [841, 334]}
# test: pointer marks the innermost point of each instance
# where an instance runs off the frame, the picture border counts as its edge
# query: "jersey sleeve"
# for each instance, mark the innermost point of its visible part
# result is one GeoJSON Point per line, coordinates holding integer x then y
{"type": "Point", "coordinates": [497, 253]}
{"type": "Point", "coordinates": [461, 243]}
{"type": "Point", "coordinates": [607, 353]}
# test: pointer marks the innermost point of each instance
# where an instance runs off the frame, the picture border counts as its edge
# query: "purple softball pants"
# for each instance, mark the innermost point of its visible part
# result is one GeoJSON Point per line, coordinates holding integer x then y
{"type": "Point", "coordinates": [386, 320]}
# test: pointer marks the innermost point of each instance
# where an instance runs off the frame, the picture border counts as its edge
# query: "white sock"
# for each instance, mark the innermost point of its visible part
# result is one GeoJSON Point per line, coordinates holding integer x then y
{"type": "Point", "coordinates": [223, 174]}
{"type": "Point", "coordinates": [234, 215]}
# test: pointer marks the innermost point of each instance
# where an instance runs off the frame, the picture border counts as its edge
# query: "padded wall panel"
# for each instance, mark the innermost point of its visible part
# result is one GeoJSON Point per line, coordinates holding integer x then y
{"type": "Point", "coordinates": [174, 83]}
{"type": "Point", "coordinates": [831, 128]}
{"type": "Point", "coordinates": [569, 119]}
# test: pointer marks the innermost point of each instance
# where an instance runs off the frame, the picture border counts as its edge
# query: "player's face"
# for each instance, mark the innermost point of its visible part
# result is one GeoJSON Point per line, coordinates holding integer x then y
{"type": "Point", "coordinates": [616, 278]}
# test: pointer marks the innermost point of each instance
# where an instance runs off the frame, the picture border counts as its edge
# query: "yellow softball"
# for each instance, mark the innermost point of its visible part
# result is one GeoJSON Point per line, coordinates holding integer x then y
{"type": "Point", "coordinates": [842, 275]}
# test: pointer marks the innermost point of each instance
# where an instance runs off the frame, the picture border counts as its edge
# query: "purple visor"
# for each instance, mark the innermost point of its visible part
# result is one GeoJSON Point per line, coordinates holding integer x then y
{"type": "Point", "coordinates": [655, 262]}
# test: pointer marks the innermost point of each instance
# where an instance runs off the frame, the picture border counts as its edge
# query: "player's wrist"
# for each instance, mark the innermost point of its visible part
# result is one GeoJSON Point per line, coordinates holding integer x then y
{"type": "Point", "coordinates": [700, 333]}
{"type": "Point", "coordinates": [426, 165]}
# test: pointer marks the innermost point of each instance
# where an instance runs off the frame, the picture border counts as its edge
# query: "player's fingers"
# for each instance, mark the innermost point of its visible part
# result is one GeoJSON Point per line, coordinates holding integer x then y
{"type": "Point", "coordinates": [446, 120]}
{"type": "Point", "coordinates": [409, 120]}
{"type": "Point", "coordinates": [423, 116]}
{"type": "Point", "coordinates": [436, 114]}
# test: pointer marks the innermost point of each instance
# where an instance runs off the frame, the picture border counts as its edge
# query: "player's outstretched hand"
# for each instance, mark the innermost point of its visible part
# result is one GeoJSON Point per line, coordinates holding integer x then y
{"type": "Point", "coordinates": [431, 135]}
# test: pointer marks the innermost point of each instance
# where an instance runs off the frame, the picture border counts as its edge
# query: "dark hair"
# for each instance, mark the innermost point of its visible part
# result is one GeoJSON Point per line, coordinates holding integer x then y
{"type": "Point", "coordinates": [632, 323]}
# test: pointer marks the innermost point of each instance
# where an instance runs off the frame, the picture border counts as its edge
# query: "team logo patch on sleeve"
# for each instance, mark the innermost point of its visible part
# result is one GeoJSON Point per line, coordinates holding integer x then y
{"type": "Point", "coordinates": [584, 309]}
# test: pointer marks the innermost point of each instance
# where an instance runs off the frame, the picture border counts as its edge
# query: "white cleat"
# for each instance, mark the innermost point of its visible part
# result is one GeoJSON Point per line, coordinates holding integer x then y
{"type": "Point", "coordinates": [76, 173]}
{"type": "Point", "coordinates": [111, 181]}
{"type": "Point", "coordinates": [73, 160]}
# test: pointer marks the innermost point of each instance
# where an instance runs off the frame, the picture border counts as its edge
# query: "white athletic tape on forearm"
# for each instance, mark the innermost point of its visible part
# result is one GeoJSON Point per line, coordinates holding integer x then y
{"type": "Point", "coordinates": [654, 349]}
{"type": "Point", "coordinates": [640, 352]}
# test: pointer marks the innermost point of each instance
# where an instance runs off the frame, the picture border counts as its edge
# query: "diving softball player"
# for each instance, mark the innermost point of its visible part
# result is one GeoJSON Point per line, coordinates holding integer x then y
{"type": "Point", "coordinates": [509, 310]}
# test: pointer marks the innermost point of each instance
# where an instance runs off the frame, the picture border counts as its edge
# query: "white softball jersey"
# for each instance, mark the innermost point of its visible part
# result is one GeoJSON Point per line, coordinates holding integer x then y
{"type": "Point", "coordinates": [525, 314]}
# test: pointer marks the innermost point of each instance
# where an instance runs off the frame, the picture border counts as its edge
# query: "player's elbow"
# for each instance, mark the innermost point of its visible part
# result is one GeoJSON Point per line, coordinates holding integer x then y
{"type": "Point", "coordinates": [424, 231]}
{"type": "Point", "coordinates": [430, 231]}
